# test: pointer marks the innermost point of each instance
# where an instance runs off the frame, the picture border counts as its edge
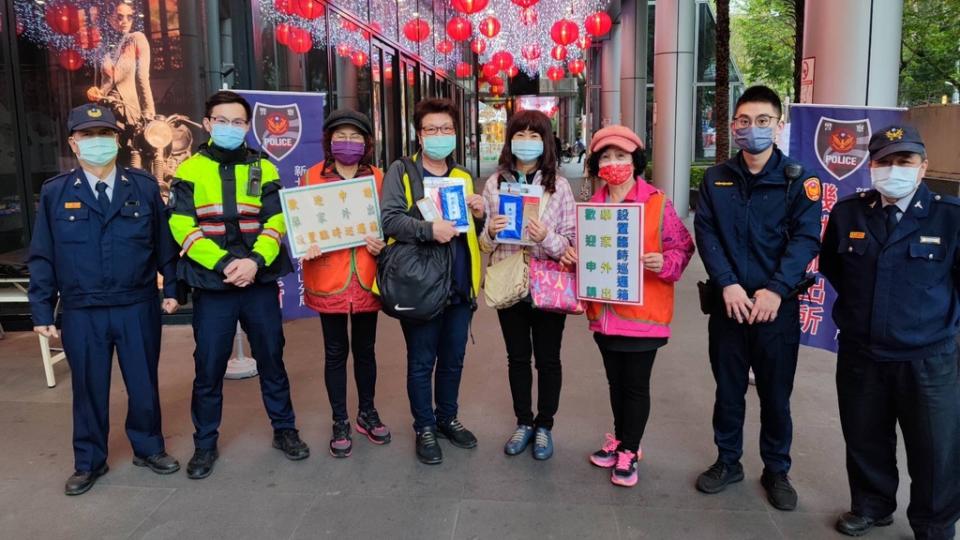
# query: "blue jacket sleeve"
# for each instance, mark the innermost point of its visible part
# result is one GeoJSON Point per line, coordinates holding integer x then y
{"type": "Point", "coordinates": [43, 277]}
{"type": "Point", "coordinates": [804, 243]}
{"type": "Point", "coordinates": [708, 241]}
{"type": "Point", "coordinates": [167, 249]}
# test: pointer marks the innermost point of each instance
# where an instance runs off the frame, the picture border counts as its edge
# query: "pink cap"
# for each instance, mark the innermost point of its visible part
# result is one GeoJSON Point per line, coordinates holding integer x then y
{"type": "Point", "coordinates": [619, 136]}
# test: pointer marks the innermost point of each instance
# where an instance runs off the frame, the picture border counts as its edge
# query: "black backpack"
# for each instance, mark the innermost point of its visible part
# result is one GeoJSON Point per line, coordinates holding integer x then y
{"type": "Point", "coordinates": [415, 279]}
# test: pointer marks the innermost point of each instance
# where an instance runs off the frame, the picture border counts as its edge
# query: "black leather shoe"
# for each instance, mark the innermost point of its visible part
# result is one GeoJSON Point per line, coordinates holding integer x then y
{"type": "Point", "coordinates": [428, 450]}
{"type": "Point", "coordinates": [458, 435]}
{"type": "Point", "coordinates": [161, 463]}
{"type": "Point", "coordinates": [82, 481]}
{"type": "Point", "coordinates": [851, 524]}
{"type": "Point", "coordinates": [201, 464]}
{"type": "Point", "coordinates": [779, 491]}
{"type": "Point", "coordinates": [719, 476]}
{"type": "Point", "coordinates": [289, 441]}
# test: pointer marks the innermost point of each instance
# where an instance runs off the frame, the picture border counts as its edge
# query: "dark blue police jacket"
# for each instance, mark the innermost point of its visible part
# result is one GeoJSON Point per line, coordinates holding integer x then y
{"type": "Point", "coordinates": [754, 230]}
{"type": "Point", "coordinates": [896, 299]}
{"type": "Point", "coordinates": [93, 259]}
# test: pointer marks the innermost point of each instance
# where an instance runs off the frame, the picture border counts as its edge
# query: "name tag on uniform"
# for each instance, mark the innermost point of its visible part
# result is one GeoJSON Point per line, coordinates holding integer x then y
{"type": "Point", "coordinates": [930, 240]}
{"type": "Point", "coordinates": [72, 205]}
{"type": "Point", "coordinates": [723, 184]}
{"type": "Point", "coordinates": [858, 235]}
{"type": "Point", "coordinates": [131, 203]}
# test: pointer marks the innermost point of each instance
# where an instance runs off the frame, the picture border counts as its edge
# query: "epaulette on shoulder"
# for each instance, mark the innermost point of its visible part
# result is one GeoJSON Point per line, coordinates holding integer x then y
{"type": "Point", "coordinates": [946, 199]}
{"type": "Point", "coordinates": [61, 176]}
{"type": "Point", "coordinates": [862, 195]}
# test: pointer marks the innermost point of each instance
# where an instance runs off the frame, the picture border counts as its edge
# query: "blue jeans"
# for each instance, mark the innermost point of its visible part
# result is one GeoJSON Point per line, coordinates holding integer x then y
{"type": "Point", "coordinates": [440, 343]}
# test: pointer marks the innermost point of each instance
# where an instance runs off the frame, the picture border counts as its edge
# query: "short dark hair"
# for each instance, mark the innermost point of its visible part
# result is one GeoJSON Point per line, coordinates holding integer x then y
{"type": "Point", "coordinates": [539, 123]}
{"type": "Point", "coordinates": [760, 94]}
{"type": "Point", "coordinates": [434, 106]}
{"type": "Point", "coordinates": [638, 155]}
{"type": "Point", "coordinates": [224, 97]}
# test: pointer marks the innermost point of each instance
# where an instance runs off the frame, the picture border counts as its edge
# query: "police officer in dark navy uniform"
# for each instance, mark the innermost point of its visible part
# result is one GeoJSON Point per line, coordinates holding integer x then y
{"type": "Point", "coordinates": [892, 255]}
{"type": "Point", "coordinates": [757, 228]}
{"type": "Point", "coordinates": [100, 239]}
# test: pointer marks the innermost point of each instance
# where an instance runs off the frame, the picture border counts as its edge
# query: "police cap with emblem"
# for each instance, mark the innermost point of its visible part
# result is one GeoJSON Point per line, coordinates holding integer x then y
{"type": "Point", "coordinates": [89, 116]}
{"type": "Point", "coordinates": [894, 139]}
{"type": "Point", "coordinates": [347, 117]}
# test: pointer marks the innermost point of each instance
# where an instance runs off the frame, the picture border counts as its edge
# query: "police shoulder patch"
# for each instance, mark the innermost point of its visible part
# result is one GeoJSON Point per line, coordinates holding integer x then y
{"type": "Point", "coordinates": [811, 186]}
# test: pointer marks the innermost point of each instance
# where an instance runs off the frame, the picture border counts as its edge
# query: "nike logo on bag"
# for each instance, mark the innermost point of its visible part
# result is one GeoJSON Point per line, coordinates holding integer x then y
{"type": "Point", "coordinates": [398, 308]}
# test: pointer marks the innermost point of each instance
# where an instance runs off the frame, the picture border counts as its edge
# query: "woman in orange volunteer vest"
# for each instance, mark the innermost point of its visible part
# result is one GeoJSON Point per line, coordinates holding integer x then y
{"type": "Point", "coordinates": [629, 336]}
{"type": "Point", "coordinates": [337, 285]}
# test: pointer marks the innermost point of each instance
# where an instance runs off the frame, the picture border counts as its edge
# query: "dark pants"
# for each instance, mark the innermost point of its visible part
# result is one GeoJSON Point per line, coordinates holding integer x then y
{"type": "Point", "coordinates": [771, 350]}
{"type": "Point", "coordinates": [90, 336]}
{"type": "Point", "coordinates": [529, 331]}
{"type": "Point", "coordinates": [336, 348]}
{"type": "Point", "coordinates": [923, 395]}
{"type": "Point", "coordinates": [628, 374]}
{"type": "Point", "coordinates": [215, 316]}
{"type": "Point", "coordinates": [439, 343]}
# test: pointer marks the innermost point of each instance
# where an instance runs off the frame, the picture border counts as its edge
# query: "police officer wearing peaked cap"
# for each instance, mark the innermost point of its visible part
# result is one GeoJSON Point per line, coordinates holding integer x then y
{"type": "Point", "coordinates": [100, 239]}
{"type": "Point", "coordinates": [757, 228]}
{"type": "Point", "coordinates": [893, 255]}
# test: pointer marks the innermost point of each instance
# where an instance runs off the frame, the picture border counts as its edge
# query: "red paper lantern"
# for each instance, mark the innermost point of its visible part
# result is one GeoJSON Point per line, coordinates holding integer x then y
{"type": "Point", "coordinates": [577, 66]}
{"type": "Point", "coordinates": [299, 41]}
{"type": "Point", "coordinates": [559, 53]}
{"type": "Point", "coordinates": [63, 18]}
{"type": "Point", "coordinates": [459, 28]}
{"type": "Point", "coordinates": [478, 46]}
{"type": "Point", "coordinates": [444, 46]}
{"type": "Point", "coordinates": [282, 33]}
{"type": "Point", "coordinates": [89, 38]}
{"type": "Point", "coordinates": [359, 58]}
{"type": "Point", "coordinates": [464, 70]}
{"type": "Point", "coordinates": [555, 73]}
{"type": "Point", "coordinates": [70, 60]}
{"type": "Point", "coordinates": [416, 30]}
{"type": "Point", "coordinates": [310, 9]}
{"type": "Point", "coordinates": [489, 70]}
{"type": "Point", "coordinates": [388, 73]}
{"type": "Point", "coordinates": [531, 51]}
{"type": "Point", "coordinates": [502, 59]}
{"type": "Point", "coordinates": [584, 42]}
{"type": "Point", "coordinates": [495, 81]}
{"type": "Point", "coordinates": [489, 27]}
{"type": "Point", "coordinates": [526, 4]}
{"type": "Point", "coordinates": [470, 6]}
{"type": "Point", "coordinates": [513, 71]}
{"type": "Point", "coordinates": [287, 7]}
{"type": "Point", "coordinates": [598, 23]}
{"type": "Point", "coordinates": [564, 32]}
{"type": "Point", "coordinates": [344, 50]}
{"type": "Point", "coordinates": [528, 16]}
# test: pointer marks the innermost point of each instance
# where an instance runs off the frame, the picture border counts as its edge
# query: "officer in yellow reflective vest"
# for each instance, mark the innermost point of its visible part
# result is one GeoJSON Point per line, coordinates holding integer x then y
{"type": "Point", "coordinates": [226, 215]}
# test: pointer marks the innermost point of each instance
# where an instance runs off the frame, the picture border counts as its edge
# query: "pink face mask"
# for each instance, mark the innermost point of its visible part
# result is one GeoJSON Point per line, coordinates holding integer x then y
{"type": "Point", "coordinates": [616, 174]}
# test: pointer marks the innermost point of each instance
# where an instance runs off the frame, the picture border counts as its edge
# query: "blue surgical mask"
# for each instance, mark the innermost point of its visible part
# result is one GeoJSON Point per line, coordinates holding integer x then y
{"type": "Point", "coordinates": [97, 151]}
{"type": "Point", "coordinates": [228, 137]}
{"type": "Point", "coordinates": [894, 182]}
{"type": "Point", "coordinates": [526, 150]}
{"type": "Point", "coordinates": [753, 139]}
{"type": "Point", "coordinates": [439, 146]}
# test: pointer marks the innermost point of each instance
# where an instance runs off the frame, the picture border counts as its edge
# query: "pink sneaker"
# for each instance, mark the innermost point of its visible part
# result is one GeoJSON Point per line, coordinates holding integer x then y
{"type": "Point", "coordinates": [625, 471]}
{"type": "Point", "coordinates": [606, 456]}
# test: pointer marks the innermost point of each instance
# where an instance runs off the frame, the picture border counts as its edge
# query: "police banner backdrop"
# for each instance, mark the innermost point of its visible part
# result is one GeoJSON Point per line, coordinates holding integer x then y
{"type": "Point", "coordinates": [277, 128]}
{"type": "Point", "coordinates": [832, 140]}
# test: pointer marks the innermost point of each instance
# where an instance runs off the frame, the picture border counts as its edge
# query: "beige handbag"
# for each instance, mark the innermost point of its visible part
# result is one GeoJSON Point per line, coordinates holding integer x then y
{"type": "Point", "coordinates": [507, 281]}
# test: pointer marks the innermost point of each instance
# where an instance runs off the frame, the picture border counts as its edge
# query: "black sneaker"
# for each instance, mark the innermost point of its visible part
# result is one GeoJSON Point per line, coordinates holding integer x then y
{"type": "Point", "coordinates": [288, 440]}
{"type": "Point", "coordinates": [201, 464]}
{"type": "Point", "coordinates": [719, 476]}
{"type": "Point", "coordinates": [341, 445]}
{"type": "Point", "coordinates": [369, 424]}
{"type": "Point", "coordinates": [779, 491]}
{"type": "Point", "coordinates": [458, 435]}
{"type": "Point", "coordinates": [852, 524]}
{"type": "Point", "coordinates": [428, 451]}
{"type": "Point", "coordinates": [81, 481]}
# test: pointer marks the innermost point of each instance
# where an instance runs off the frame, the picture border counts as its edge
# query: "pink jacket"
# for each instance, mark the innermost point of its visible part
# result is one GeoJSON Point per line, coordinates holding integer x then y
{"type": "Point", "coordinates": [678, 248]}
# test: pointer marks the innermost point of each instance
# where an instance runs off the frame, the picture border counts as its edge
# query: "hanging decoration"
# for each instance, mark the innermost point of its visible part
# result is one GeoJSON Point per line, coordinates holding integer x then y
{"type": "Point", "coordinates": [489, 70]}
{"type": "Point", "coordinates": [70, 60]}
{"type": "Point", "coordinates": [584, 42]}
{"type": "Point", "coordinates": [489, 27]}
{"type": "Point", "coordinates": [464, 70]}
{"type": "Point", "coordinates": [531, 51]}
{"type": "Point", "coordinates": [416, 30]}
{"type": "Point", "coordinates": [559, 53]}
{"type": "Point", "coordinates": [555, 73]}
{"type": "Point", "coordinates": [503, 60]}
{"type": "Point", "coordinates": [528, 16]}
{"type": "Point", "coordinates": [63, 18]}
{"type": "Point", "coordinates": [459, 28]}
{"type": "Point", "coordinates": [470, 6]}
{"type": "Point", "coordinates": [598, 24]}
{"type": "Point", "coordinates": [564, 32]}
{"type": "Point", "coordinates": [576, 67]}
{"type": "Point", "coordinates": [513, 71]}
{"type": "Point", "coordinates": [299, 41]}
{"type": "Point", "coordinates": [478, 46]}
{"type": "Point", "coordinates": [445, 46]}
{"type": "Point", "coordinates": [359, 58]}
{"type": "Point", "coordinates": [526, 4]}
{"type": "Point", "coordinates": [310, 9]}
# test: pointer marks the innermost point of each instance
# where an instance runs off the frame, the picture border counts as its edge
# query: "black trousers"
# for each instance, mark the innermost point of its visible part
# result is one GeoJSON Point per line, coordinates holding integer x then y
{"type": "Point", "coordinates": [923, 395]}
{"type": "Point", "coordinates": [771, 350]}
{"type": "Point", "coordinates": [527, 332]}
{"type": "Point", "coordinates": [336, 348]}
{"type": "Point", "coordinates": [628, 374]}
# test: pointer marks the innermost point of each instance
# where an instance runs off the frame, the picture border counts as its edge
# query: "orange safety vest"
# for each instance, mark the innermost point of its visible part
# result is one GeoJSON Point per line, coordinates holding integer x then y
{"type": "Point", "coordinates": [330, 274]}
{"type": "Point", "coordinates": [657, 305]}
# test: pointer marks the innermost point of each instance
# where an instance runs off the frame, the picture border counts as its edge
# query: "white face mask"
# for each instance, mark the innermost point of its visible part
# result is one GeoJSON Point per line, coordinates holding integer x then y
{"type": "Point", "coordinates": [894, 182]}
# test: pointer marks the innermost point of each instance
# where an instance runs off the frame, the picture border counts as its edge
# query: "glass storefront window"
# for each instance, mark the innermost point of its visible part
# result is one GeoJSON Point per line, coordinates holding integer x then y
{"type": "Point", "coordinates": [356, 7]}
{"type": "Point", "coordinates": [705, 130]}
{"type": "Point", "coordinates": [383, 17]}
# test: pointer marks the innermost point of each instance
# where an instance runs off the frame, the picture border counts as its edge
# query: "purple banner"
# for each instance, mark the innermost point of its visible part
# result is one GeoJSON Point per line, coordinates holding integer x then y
{"type": "Point", "coordinates": [832, 141]}
{"type": "Point", "coordinates": [279, 128]}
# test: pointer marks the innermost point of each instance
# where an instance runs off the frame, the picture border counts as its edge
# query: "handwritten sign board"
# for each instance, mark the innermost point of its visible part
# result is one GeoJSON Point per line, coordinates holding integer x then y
{"type": "Point", "coordinates": [331, 216]}
{"type": "Point", "coordinates": [609, 248]}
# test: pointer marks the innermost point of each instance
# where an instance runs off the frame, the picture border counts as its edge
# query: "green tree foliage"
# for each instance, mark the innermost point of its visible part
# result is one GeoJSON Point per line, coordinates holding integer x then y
{"type": "Point", "coordinates": [930, 51]}
{"type": "Point", "coordinates": [762, 42]}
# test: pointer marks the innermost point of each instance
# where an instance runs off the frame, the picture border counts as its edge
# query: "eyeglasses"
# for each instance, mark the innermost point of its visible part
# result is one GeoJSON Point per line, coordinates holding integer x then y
{"type": "Point", "coordinates": [236, 122]}
{"type": "Point", "coordinates": [762, 121]}
{"type": "Point", "coordinates": [433, 130]}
